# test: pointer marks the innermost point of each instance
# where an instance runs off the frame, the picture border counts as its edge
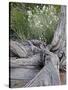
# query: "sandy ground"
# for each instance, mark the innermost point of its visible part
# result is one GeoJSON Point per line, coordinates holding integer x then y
{"type": "Point", "coordinates": [63, 78]}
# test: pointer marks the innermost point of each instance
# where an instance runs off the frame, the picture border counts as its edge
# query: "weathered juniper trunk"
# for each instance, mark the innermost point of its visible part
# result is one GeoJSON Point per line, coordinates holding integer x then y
{"type": "Point", "coordinates": [43, 65]}
{"type": "Point", "coordinates": [49, 74]}
{"type": "Point", "coordinates": [58, 44]}
{"type": "Point", "coordinates": [36, 64]}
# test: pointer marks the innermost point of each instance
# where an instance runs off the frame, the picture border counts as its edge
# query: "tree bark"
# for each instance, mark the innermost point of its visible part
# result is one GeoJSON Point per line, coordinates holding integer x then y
{"type": "Point", "coordinates": [58, 45]}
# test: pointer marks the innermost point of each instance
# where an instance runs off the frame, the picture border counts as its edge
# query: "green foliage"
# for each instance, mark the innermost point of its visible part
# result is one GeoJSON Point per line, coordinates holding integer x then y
{"type": "Point", "coordinates": [34, 21]}
{"type": "Point", "coordinates": [19, 21]}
